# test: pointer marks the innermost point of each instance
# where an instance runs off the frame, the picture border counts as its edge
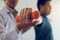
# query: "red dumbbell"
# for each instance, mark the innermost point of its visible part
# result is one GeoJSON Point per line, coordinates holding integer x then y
{"type": "Point", "coordinates": [34, 15]}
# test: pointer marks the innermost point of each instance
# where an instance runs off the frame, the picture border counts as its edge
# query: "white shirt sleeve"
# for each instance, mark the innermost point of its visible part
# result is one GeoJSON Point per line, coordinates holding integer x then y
{"type": "Point", "coordinates": [6, 36]}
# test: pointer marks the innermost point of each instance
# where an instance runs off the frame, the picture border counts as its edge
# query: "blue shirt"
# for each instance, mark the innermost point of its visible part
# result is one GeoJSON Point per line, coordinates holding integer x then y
{"type": "Point", "coordinates": [44, 30]}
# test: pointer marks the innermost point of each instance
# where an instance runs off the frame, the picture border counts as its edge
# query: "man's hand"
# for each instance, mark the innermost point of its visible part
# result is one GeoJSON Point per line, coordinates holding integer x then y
{"type": "Point", "coordinates": [25, 21]}
{"type": "Point", "coordinates": [25, 14]}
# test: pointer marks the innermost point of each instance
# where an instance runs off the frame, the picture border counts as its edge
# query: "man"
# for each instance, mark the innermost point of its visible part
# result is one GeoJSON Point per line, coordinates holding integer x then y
{"type": "Point", "coordinates": [43, 31]}
{"type": "Point", "coordinates": [9, 29]}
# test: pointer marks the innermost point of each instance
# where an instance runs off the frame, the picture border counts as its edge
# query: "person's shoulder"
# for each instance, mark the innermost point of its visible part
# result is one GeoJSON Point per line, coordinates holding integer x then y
{"type": "Point", "coordinates": [44, 18]}
{"type": "Point", "coordinates": [3, 10]}
{"type": "Point", "coordinates": [2, 13]}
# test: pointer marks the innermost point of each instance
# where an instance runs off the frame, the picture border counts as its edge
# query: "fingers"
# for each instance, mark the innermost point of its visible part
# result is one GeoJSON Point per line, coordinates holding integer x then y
{"type": "Point", "coordinates": [25, 13]}
{"type": "Point", "coordinates": [21, 14]}
{"type": "Point", "coordinates": [29, 11]}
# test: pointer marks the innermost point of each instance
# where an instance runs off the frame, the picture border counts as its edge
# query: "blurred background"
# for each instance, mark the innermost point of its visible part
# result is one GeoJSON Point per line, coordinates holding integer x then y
{"type": "Point", "coordinates": [54, 16]}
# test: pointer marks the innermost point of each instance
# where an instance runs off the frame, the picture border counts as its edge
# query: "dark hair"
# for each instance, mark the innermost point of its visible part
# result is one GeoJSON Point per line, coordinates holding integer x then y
{"type": "Point", "coordinates": [41, 2]}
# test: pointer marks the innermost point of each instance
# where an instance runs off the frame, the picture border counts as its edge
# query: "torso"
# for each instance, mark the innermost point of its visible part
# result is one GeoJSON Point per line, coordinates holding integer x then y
{"type": "Point", "coordinates": [44, 30]}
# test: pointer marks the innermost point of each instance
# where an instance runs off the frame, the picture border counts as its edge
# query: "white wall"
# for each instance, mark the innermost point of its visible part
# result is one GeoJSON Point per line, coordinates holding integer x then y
{"type": "Point", "coordinates": [55, 16]}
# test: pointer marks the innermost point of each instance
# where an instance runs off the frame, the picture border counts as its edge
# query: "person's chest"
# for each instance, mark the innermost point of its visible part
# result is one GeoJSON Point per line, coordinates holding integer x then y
{"type": "Point", "coordinates": [45, 26]}
{"type": "Point", "coordinates": [10, 22]}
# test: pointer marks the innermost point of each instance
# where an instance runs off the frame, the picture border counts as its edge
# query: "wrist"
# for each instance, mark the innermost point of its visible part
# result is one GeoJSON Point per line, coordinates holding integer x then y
{"type": "Point", "coordinates": [19, 28]}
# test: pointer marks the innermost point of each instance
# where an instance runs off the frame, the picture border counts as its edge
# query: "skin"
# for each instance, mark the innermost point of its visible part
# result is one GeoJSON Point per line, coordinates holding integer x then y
{"type": "Point", "coordinates": [11, 3]}
{"type": "Point", "coordinates": [45, 9]}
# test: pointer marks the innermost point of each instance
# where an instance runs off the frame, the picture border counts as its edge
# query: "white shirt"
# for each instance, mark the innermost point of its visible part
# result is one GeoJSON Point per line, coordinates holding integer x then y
{"type": "Point", "coordinates": [7, 25]}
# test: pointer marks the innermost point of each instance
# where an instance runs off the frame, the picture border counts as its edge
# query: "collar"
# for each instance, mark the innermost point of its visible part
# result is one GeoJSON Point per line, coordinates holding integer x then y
{"type": "Point", "coordinates": [9, 10]}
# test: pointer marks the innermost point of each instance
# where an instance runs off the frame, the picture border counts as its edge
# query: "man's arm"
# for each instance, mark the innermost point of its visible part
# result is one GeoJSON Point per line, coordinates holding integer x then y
{"type": "Point", "coordinates": [25, 30]}
{"type": "Point", "coordinates": [25, 14]}
{"type": "Point", "coordinates": [39, 21]}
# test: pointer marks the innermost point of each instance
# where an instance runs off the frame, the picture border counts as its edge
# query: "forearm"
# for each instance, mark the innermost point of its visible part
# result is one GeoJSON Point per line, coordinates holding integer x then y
{"type": "Point", "coordinates": [25, 30]}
